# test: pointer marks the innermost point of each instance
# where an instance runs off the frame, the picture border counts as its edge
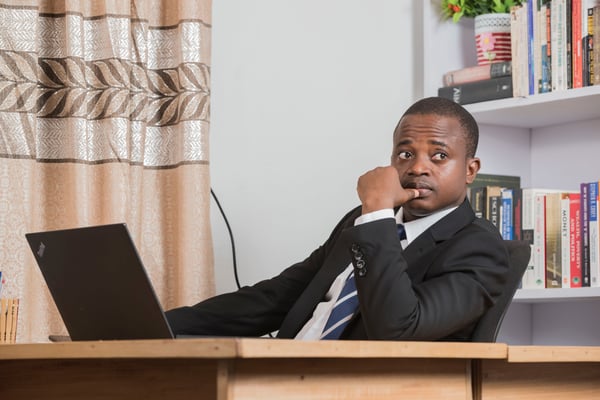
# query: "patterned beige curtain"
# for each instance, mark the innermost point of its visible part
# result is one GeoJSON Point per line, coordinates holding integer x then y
{"type": "Point", "coordinates": [104, 118]}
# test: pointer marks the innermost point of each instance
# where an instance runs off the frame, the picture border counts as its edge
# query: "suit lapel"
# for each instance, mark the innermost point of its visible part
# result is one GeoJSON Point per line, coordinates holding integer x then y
{"type": "Point", "coordinates": [441, 231]}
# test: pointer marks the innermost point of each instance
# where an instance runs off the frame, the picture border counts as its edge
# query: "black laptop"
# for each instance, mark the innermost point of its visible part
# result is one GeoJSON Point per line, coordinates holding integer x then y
{"type": "Point", "coordinates": [99, 283]}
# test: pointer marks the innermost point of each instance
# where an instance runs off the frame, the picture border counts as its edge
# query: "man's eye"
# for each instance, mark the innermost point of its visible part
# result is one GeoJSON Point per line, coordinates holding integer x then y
{"type": "Point", "coordinates": [439, 156]}
{"type": "Point", "coordinates": [404, 155]}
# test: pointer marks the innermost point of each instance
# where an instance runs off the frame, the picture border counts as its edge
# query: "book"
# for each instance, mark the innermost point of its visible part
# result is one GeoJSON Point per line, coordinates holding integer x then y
{"type": "Point", "coordinates": [553, 246]}
{"type": "Point", "coordinates": [539, 239]}
{"type": "Point", "coordinates": [508, 181]}
{"type": "Point", "coordinates": [478, 73]}
{"type": "Point", "coordinates": [506, 212]}
{"type": "Point", "coordinates": [558, 37]}
{"type": "Point", "coordinates": [517, 213]}
{"type": "Point", "coordinates": [533, 223]}
{"type": "Point", "coordinates": [595, 67]}
{"type": "Point", "coordinates": [594, 233]}
{"type": "Point", "coordinates": [545, 84]}
{"type": "Point", "coordinates": [577, 44]}
{"type": "Point", "coordinates": [568, 42]}
{"type": "Point", "coordinates": [475, 92]}
{"type": "Point", "coordinates": [585, 234]}
{"type": "Point", "coordinates": [477, 198]}
{"type": "Point", "coordinates": [575, 240]}
{"type": "Point", "coordinates": [519, 50]}
{"type": "Point", "coordinates": [493, 201]}
{"type": "Point", "coordinates": [565, 239]}
{"type": "Point", "coordinates": [531, 11]}
{"type": "Point", "coordinates": [588, 44]}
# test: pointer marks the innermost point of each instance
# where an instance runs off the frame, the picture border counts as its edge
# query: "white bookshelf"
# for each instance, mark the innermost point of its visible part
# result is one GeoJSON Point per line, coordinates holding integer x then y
{"type": "Point", "coordinates": [528, 296]}
{"type": "Point", "coordinates": [551, 140]}
{"type": "Point", "coordinates": [538, 111]}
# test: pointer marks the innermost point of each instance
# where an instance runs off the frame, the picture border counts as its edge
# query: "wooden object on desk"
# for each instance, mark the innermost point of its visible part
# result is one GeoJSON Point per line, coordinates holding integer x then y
{"type": "Point", "coordinates": [542, 372]}
{"type": "Point", "coordinates": [231, 369]}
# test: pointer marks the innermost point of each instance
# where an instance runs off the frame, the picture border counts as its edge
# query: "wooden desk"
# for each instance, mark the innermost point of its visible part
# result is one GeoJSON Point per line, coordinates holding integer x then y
{"type": "Point", "coordinates": [228, 369]}
{"type": "Point", "coordinates": [541, 372]}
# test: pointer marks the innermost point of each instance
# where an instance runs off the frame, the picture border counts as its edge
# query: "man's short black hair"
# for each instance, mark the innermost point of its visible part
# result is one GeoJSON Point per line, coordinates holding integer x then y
{"type": "Point", "coordinates": [447, 108]}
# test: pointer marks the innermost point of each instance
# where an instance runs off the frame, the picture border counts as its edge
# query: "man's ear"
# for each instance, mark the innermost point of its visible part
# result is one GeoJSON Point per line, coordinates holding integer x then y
{"type": "Point", "coordinates": [473, 165]}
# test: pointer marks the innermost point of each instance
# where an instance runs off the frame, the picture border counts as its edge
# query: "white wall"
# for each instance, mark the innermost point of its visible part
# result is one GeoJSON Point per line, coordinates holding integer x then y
{"type": "Point", "coordinates": [305, 96]}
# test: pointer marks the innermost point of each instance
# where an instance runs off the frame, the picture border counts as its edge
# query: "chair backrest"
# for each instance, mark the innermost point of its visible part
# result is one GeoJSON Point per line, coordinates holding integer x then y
{"type": "Point", "coordinates": [487, 329]}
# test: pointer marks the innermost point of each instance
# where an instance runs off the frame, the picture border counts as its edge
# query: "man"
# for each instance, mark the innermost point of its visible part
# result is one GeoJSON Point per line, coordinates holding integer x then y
{"type": "Point", "coordinates": [433, 282]}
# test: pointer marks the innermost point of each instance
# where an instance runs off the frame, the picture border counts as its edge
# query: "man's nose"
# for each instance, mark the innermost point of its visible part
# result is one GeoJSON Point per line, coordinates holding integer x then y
{"type": "Point", "coordinates": [420, 166]}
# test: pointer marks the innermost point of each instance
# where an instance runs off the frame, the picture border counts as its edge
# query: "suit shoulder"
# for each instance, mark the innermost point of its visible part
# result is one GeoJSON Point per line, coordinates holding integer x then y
{"type": "Point", "coordinates": [487, 226]}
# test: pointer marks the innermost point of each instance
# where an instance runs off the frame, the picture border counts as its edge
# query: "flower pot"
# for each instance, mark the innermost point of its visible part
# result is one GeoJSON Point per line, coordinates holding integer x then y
{"type": "Point", "coordinates": [492, 38]}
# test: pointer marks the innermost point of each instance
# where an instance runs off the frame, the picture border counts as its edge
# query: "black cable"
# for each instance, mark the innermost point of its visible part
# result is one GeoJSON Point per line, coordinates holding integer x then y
{"type": "Point", "coordinates": [235, 271]}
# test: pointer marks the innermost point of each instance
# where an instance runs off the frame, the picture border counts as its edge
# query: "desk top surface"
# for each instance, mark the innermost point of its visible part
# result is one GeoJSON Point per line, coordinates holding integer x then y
{"type": "Point", "coordinates": [251, 348]}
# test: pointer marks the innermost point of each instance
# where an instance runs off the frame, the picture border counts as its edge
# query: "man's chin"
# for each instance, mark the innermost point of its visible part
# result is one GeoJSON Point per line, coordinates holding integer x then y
{"type": "Point", "coordinates": [418, 208]}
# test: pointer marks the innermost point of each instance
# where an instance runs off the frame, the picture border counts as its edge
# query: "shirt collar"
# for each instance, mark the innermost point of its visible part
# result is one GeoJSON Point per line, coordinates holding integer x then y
{"type": "Point", "coordinates": [416, 227]}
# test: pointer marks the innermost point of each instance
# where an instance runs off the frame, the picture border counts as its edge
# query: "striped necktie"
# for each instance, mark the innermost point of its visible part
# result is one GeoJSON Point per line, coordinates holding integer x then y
{"type": "Point", "coordinates": [347, 303]}
{"type": "Point", "coordinates": [343, 310]}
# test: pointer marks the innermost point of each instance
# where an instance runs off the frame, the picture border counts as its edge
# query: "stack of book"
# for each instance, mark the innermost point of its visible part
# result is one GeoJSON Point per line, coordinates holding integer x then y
{"type": "Point", "coordinates": [562, 227]}
{"type": "Point", "coordinates": [552, 45]}
{"type": "Point", "coordinates": [552, 49]}
{"type": "Point", "coordinates": [9, 311]}
{"type": "Point", "coordinates": [478, 83]}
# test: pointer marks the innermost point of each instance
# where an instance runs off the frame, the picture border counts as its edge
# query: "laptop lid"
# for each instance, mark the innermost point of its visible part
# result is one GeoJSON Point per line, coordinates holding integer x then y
{"type": "Point", "coordinates": [99, 283]}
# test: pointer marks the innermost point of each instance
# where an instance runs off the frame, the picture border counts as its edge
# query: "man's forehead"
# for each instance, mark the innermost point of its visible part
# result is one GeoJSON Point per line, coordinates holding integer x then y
{"type": "Point", "coordinates": [428, 125]}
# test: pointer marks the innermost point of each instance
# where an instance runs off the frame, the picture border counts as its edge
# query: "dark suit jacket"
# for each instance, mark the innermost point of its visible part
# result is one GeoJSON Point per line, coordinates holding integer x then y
{"type": "Point", "coordinates": [435, 289]}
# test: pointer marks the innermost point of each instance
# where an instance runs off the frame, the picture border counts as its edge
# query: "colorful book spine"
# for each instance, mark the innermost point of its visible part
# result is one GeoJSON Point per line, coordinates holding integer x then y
{"type": "Point", "coordinates": [569, 44]}
{"type": "Point", "coordinates": [478, 73]}
{"type": "Point", "coordinates": [577, 44]}
{"type": "Point", "coordinates": [565, 239]}
{"type": "Point", "coordinates": [595, 73]}
{"type": "Point", "coordinates": [558, 16]}
{"type": "Point", "coordinates": [518, 32]}
{"type": "Point", "coordinates": [539, 240]}
{"type": "Point", "coordinates": [552, 237]}
{"type": "Point", "coordinates": [518, 213]}
{"type": "Point", "coordinates": [493, 201]}
{"type": "Point", "coordinates": [531, 10]}
{"type": "Point", "coordinates": [475, 92]}
{"type": "Point", "coordinates": [594, 231]}
{"type": "Point", "coordinates": [507, 214]}
{"type": "Point", "coordinates": [585, 235]}
{"type": "Point", "coordinates": [575, 242]}
{"type": "Point", "coordinates": [544, 49]}
{"type": "Point", "coordinates": [478, 196]}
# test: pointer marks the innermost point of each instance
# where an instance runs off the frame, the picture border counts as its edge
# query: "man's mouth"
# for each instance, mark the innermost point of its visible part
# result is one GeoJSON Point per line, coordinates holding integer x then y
{"type": "Point", "coordinates": [423, 187]}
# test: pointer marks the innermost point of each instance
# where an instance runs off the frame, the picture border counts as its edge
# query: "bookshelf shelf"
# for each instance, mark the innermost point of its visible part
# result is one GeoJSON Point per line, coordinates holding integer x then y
{"type": "Point", "coordinates": [556, 295]}
{"type": "Point", "coordinates": [537, 111]}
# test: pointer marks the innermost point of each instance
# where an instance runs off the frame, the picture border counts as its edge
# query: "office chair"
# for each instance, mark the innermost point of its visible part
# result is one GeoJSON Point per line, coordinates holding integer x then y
{"type": "Point", "coordinates": [487, 329]}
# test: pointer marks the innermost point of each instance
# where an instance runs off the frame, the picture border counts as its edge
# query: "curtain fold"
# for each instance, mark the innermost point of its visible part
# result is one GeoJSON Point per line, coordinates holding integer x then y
{"type": "Point", "coordinates": [104, 118]}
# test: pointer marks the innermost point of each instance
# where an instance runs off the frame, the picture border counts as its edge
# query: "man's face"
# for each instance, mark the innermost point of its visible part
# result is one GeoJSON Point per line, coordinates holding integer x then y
{"type": "Point", "coordinates": [430, 155]}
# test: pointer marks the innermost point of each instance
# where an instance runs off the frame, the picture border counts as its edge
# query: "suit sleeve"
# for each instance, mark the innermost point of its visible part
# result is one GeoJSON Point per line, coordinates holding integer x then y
{"type": "Point", "coordinates": [254, 310]}
{"type": "Point", "coordinates": [463, 277]}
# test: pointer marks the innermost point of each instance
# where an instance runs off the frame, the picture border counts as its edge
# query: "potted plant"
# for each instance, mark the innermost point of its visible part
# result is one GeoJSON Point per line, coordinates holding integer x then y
{"type": "Point", "coordinates": [456, 9]}
{"type": "Point", "coordinates": [492, 25]}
